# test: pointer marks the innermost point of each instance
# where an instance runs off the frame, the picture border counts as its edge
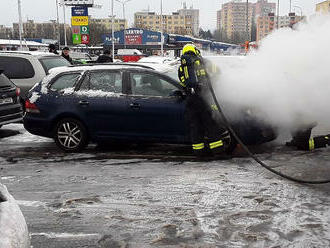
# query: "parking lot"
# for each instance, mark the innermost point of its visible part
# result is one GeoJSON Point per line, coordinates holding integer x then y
{"type": "Point", "coordinates": [158, 196]}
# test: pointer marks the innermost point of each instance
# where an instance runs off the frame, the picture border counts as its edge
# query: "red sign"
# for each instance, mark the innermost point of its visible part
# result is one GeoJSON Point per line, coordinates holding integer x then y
{"type": "Point", "coordinates": [133, 39]}
{"type": "Point", "coordinates": [84, 39]}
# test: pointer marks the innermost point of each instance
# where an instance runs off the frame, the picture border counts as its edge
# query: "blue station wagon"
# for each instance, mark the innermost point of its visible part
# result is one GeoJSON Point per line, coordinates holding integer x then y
{"type": "Point", "coordinates": [102, 103]}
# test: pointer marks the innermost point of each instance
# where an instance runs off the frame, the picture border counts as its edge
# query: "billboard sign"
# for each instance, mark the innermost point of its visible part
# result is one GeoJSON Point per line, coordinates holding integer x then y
{"type": "Point", "coordinates": [84, 29]}
{"type": "Point", "coordinates": [84, 38]}
{"type": "Point", "coordinates": [133, 39]}
{"type": "Point", "coordinates": [79, 11]}
{"type": "Point", "coordinates": [76, 38]}
{"type": "Point", "coordinates": [78, 2]}
{"type": "Point", "coordinates": [134, 36]}
{"type": "Point", "coordinates": [79, 20]}
{"type": "Point", "coordinates": [76, 29]}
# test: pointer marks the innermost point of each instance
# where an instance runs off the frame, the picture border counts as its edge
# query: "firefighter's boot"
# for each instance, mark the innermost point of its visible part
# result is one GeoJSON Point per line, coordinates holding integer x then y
{"type": "Point", "coordinates": [319, 142]}
{"type": "Point", "coordinates": [200, 150]}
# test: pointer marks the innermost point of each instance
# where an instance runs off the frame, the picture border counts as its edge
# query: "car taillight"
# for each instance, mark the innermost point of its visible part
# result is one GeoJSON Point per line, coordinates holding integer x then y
{"type": "Point", "coordinates": [18, 91]}
{"type": "Point", "coordinates": [31, 107]}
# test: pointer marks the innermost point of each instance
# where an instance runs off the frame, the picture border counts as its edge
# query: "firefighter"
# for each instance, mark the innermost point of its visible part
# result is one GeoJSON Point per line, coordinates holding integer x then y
{"type": "Point", "coordinates": [206, 134]}
{"type": "Point", "coordinates": [303, 141]}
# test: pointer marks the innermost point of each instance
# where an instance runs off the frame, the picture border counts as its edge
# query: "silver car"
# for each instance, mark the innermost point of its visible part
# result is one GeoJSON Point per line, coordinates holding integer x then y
{"type": "Point", "coordinates": [25, 68]}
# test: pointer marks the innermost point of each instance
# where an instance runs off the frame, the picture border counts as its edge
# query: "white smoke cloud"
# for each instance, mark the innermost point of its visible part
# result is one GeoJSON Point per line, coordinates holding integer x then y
{"type": "Point", "coordinates": [287, 79]}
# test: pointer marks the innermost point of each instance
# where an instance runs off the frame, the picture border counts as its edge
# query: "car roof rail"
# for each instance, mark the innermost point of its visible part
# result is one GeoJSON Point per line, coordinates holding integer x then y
{"type": "Point", "coordinates": [124, 64]}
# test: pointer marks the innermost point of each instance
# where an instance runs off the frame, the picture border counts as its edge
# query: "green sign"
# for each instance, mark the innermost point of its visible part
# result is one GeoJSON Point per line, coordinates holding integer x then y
{"type": "Point", "coordinates": [84, 29]}
{"type": "Point", "coordinates": [76, 38]}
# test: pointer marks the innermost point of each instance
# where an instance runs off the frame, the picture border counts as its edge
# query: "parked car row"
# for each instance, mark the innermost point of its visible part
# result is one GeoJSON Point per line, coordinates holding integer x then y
{"type": "Point", "coordinates": [75, 105]}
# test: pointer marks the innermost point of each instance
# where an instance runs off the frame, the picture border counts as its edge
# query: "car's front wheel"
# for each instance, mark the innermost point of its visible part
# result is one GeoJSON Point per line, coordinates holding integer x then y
{"type": "Point", "coordinates": [70, 135]}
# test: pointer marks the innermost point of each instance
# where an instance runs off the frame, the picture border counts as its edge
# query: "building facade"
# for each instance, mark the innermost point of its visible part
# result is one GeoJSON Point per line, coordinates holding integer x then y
{"type": "Point", "coordinates": [263, 8]}
{"type": "Point", "coordinates": [174, 24]}
{"type": "Point", "coordinates": [33, 29]}
{"type": "Point", "coordinates": [194, 13]}
{"type": "Point", "coordinates": [119, 24]}
{"type": "Point", "coordinates": [323, 7]}
{"type": "Point", "coordinates": [266, 24]}
{"type": "Point", "coordinates": [232, 20]}
{"type": "Point", "coordinates": [6, 32]}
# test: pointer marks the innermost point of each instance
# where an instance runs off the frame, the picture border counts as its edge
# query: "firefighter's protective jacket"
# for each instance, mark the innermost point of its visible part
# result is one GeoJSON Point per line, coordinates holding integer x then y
{"type": "Point", "coordinates": [192, 71]}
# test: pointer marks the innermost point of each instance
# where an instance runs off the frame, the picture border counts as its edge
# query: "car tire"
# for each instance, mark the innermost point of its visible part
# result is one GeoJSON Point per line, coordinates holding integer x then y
{"type": "Point", "coordinates": [70, 135]}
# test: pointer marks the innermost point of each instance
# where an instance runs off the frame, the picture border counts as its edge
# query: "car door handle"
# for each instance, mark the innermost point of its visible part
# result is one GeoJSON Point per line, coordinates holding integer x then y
{"type": "Point", "coordinates": [83, 103]}
{"type": "Point", "coordinates": [135, 105]}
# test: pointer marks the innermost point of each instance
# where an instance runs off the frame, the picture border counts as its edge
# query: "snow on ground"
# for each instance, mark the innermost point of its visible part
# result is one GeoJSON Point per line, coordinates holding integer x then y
{"type": "Point", "coordinates": [91, 200]}
{"type": "Point", "coordinates": [23, 136]}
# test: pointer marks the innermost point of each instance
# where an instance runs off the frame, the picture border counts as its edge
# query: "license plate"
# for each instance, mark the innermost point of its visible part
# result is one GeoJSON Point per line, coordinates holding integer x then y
{"type": "Point", "coordinates": [6, 101]}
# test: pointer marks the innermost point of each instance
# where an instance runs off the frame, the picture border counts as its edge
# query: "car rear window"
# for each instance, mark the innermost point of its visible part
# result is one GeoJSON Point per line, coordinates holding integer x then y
{"type": "Point", "coordinates": [52, 62]}
{"type": "Point", "coordinates": [16, 68]}
{"type": "Point", "coordinates": [65, 81]}
{"type": "Point", "coordinates": [4, 81]}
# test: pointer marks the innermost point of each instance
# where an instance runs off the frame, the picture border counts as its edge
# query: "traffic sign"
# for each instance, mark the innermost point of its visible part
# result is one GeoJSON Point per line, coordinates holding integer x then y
{"type": "Point", "coordinates": [84, 38]}
{"type": "Point", "coordinates": [76, 38]}
{"type": "Point", "coordinates": [79, 20]}
{"type": "Point", "coordinates": [84, 29]}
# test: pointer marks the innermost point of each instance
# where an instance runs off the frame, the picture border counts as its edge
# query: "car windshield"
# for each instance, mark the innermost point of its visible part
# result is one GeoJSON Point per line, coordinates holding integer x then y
{"type": "Point", "coordinates": [4, 81]}
{"type": "Point", "coordinates": [52, 62]}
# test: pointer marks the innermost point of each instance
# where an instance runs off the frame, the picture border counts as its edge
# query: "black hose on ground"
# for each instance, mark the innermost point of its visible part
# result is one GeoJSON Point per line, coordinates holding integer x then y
{"type": "Point", "coordinates": [250, 153]}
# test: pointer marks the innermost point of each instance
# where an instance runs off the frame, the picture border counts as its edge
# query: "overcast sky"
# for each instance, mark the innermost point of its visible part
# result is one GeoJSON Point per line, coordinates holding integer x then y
{"type": "Point", "coordinates": [44, 10]}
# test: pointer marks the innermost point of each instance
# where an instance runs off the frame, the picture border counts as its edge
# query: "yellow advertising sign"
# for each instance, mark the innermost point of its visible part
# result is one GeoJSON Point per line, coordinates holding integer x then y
{"type": "Point", "coordinates": [79, 20]}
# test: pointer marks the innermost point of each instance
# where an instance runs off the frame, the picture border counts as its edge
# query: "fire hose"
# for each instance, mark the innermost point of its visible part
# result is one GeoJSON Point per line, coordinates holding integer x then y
{"type": "Point", "coordinates": [246, 149]}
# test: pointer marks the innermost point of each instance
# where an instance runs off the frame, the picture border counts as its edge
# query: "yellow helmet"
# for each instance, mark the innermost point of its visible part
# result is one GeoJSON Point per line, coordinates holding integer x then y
{"type": "Point", "coordinates": [190, 48]}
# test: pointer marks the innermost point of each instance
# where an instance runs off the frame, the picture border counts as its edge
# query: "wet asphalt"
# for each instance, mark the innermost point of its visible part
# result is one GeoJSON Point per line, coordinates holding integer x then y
{"type": "Point", "coordinates": [160, 196]}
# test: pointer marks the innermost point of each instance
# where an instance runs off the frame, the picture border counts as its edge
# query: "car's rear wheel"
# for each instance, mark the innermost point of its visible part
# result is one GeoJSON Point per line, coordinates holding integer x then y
{"type": "Point", "coordinates": [70, 135]}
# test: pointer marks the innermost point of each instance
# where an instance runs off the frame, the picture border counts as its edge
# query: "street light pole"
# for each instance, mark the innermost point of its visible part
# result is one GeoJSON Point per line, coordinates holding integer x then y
{"type": "Point", "coordinates": [65, 41]}
{"type": "Point", "coordinates": [123, 2]}
{"type": "Point", "coordinates": [247, 21]}
{"type": "Point", "coordinates": [290, 6]}
{"type": "Point", "coordinates": [58, 26]}
{"type": "Point", "coordinates": [20, 25]}
{"type": "Point", "coordinates": [278, 13]}
{"type": "Point", "coordinates": [161, 28]}
{"type": "Point", "coordinates": [299, 9]}
{"type": "Point", "coordinates": [112, 30]}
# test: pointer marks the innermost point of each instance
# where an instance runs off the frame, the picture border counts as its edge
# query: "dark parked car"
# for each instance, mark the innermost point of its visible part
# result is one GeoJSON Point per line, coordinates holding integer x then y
{"type": "Point", "coordinates": [101, 103]}
{"type": "Point", "coordinates": [10, 107]}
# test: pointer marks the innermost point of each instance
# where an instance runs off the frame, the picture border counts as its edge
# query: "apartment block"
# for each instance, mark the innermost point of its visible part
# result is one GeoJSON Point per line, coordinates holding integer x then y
{"type": "Point", "coordinates": [6, 32]}
{"type": "Point", "coordinates": [33, 29]}
{"type": "Point", "coordinates": [323, 7]}
{"type": "Point", "coordinates": [233, 19]}
{"type": "Point", "coordinates": [119, 24]}
{"type": "Point", "coordinates": [174, 23]}
{"type": "Point", "coordinates": [194, 14]}
{"type": "Point", "coordinates": [263, 8]}
{"type": "Point", "coordinates": [266, 24]}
